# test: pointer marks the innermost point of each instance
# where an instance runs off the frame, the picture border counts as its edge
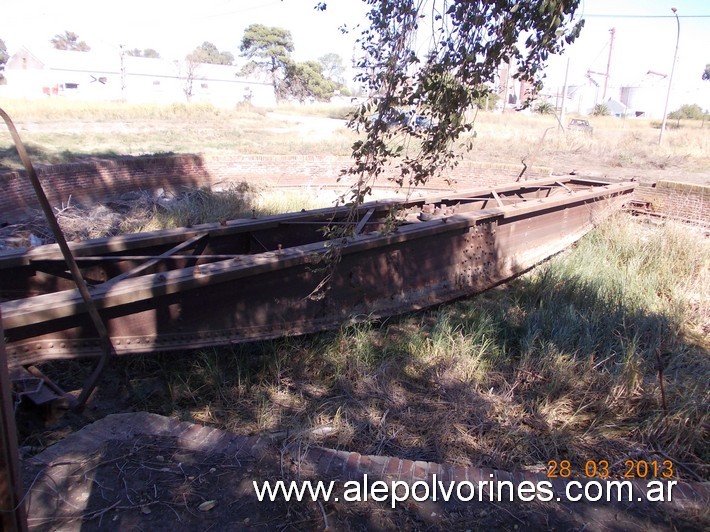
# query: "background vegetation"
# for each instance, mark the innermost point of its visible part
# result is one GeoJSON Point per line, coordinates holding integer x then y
{"type": "Point", "coordinates": [64, 130]}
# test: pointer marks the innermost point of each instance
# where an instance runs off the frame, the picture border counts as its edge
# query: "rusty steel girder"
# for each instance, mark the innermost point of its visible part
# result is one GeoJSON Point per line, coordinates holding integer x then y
{"type": "Point", "coordinates": [255, 279]}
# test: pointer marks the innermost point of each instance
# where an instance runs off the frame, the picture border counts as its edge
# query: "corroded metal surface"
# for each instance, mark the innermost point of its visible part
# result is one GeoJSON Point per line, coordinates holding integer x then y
{"type": "Point", "coordinates": [255, 279]}
{"type": "Point", "coordinates": [12, 509]}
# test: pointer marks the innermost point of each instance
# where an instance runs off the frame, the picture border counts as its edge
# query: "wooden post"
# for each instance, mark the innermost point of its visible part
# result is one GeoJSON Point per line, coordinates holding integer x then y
{"type": "Point", "coordinates": [12, 509]}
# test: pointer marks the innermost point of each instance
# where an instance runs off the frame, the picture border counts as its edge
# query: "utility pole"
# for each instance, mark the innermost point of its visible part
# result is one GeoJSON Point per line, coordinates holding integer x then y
{"type": "Point", "coordinates": [123, 72]}
{"type": "Point", "coordinates": [608, 63]}
{"type": "Point", "coordinates": [564, 97]}
{"type": "Point", "coordinates": [670, 80]}
{"type": "Point", "coordinates": [505, 90]}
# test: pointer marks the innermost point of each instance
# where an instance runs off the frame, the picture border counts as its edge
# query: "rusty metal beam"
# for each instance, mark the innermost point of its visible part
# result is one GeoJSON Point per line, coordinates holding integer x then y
{"type": "Point", "coordinates": [266, 294]}
{"type": "Point", "coordinates": [12, 509]}
{"type": "Point", "coordinates": [497, 198]}
{"type": "Point", "coordinates": [361, 224]}
{"type": "Point", "coordinates": [152, 262]}
{"type": "Point", "coordinates": [564, 186]}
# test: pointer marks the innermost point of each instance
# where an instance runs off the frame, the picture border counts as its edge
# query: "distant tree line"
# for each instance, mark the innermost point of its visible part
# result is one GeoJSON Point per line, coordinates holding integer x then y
{"type": "Point", "coordinates": [688, 111]}
{"type": "Point", "coordinates": [3, 59]}
{"type": "Point", "coordinates": [69, 41]}
{"type": "Point", "coordinates": [147, 52]}
{"type": "Point", "coordinates": [210, 54]}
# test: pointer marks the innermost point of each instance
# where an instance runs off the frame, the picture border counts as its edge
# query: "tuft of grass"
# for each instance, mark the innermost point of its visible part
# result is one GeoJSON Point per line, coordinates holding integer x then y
{"type": "Point", "coordinates": [198, 206]}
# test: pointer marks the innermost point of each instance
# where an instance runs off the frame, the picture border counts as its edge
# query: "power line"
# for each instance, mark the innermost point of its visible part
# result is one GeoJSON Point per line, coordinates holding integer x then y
{"type": "Point", "coordinates": [237, 11]}
{"type": "Point", "coordinates": [603, 15]}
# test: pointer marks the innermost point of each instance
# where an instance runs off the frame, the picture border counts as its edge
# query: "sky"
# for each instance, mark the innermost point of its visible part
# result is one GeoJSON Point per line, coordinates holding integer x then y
{"type": "Point", "coordinates": [645, 33]}
{"type": "Point", "coordinates": [644, 39]}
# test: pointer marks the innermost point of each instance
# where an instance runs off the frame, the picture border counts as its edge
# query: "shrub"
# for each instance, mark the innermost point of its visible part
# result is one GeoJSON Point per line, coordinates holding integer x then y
{"type": "Point", "coordinates": [601, 110]}
{"type": "Point", "coordinates": [544, 108]}
{"type": "Point", "coordinates": [691, 111]}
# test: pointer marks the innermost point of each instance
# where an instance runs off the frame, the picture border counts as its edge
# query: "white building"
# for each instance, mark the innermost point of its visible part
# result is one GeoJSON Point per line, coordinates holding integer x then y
{"type": "Point", "coordinates": [646, 97]}
{"type": "Point", "coordinates": [116, 76]}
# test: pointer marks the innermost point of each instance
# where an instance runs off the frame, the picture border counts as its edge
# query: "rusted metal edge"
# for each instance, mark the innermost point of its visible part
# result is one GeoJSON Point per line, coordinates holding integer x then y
{"type": "Point", "coordinates": [13, 516]}
{"type": "Point", "coordinates": [154, 260]}
{"type": "Point", "coordinates": [19, 313]}
{"type": "Point", "coordinates": [460, 259]}
{"type": "Point", "coordinates": [119, 243]}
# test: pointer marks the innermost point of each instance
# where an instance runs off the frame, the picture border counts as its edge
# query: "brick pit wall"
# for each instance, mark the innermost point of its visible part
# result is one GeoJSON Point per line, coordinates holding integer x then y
{"type": "Point", "coordinates": [682, 201]}
{"type": "Point", "coordinates": [100, 180]}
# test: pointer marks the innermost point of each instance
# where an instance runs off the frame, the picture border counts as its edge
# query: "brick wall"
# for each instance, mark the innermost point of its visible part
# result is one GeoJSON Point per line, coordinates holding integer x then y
{"type": "Point", "coordinates": [684, 201]}
{"type": "Point", "coordinates": [99, 180]}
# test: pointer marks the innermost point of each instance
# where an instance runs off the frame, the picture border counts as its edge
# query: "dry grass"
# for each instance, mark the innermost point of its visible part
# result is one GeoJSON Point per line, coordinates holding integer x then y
{"type": "Point", "coordinates": [561, 363]}
{"type": "Point", "coordinates": [142, 211]}
{"type": "Point", "coordinates": [617, 147]}
{"type": "Point", "coordinates": [64, 130]}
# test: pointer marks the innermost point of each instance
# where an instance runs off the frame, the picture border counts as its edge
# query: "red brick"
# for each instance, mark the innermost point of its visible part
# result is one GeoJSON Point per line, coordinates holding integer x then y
{"type": "Point", "coordinates": [558, 485]}
{"type": "Point", "coordinates": [392, 468]}
{"type": "Point", "coordinates": [460, 474]}
{"type": "Point", "coordinates": [192, 435]}
{"type": "Point", "coordinates": [531, 477]}
{"type": "Point", "coordinates": [419, 471]}
{"type": "Point", "coordinates": [438, 470]}
{"type": "Point", "coordinates": [322, 460]}
{"type": "Point", "coordinates": [337, 466]}
{"type": "Point", "coordinates": [502, 476]}
{"type": "Point", "coordinates": [351, 468]}
{"type": "Point", "coordinates": [479, 474]}
{"type": "Point", "coordinates": [406, 471]}
{"type": "Point", "coordinates": [365, 464]}
{"type": "Point", "coordinates": [377, 465]}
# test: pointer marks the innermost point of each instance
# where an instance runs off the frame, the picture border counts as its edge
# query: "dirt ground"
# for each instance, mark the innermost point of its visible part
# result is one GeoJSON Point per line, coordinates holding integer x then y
{"type": "Point", "coordinates": [140, 472]}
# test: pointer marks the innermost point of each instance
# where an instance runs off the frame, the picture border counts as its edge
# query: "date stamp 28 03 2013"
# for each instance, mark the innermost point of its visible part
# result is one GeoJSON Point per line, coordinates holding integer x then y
{"type": "Point", "coordinates": [601, 469]}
